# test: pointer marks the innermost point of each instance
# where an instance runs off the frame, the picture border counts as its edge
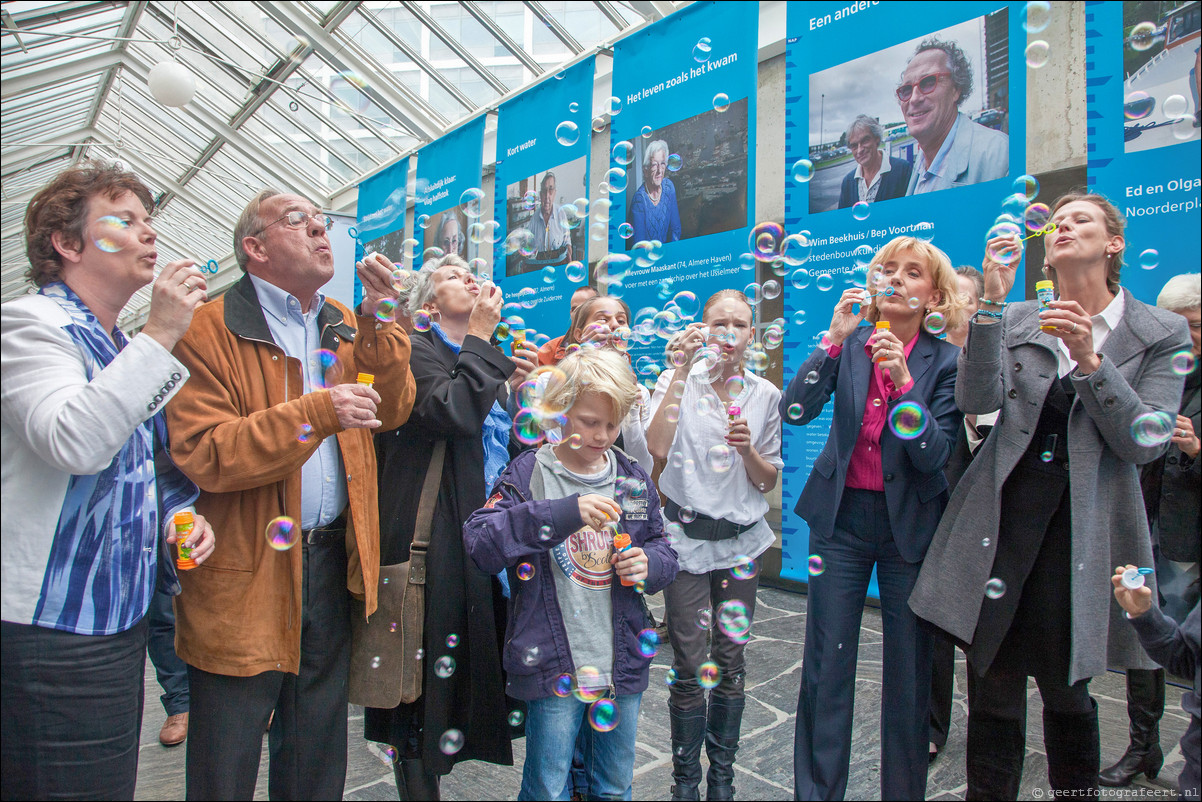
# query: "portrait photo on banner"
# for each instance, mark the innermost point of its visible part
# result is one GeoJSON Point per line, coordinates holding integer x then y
{"type": "Point", "coordinates": [1162, 74]}
{"type": "Point", "coordinates": [545, 217]}
{"type": "Point", "coordinates": [447, 232]}
{"type": "Point", "coordinates": [926, 114]}
{"type": "Point", "coordinates": [391, 245]}
{"type": "Point", "coordinates": [689, 178]}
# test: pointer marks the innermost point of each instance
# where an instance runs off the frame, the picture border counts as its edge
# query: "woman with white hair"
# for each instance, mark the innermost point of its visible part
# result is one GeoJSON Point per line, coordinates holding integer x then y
{"type": "Point", "coordinates": [1172, 490]}
{"type": "Point", "coordinates": [653, 212]}
{"type": "Point", "coordinates": [463, 384]}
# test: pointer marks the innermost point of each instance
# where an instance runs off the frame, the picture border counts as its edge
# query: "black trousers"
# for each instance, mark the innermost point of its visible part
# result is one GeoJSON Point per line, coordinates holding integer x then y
{"type": "Point", "coordinates": [943, 680]}
{"type": "Point", "coordinates": [308, 735]}
{"type": "Point", "coordinates": [71, 707]}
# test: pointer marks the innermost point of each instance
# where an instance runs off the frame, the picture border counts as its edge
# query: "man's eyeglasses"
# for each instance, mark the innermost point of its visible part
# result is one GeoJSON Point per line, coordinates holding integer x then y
{"type": "Point", "coordinates": [297, 219]}
{"type": "Point", "coordinates": [926, 84]}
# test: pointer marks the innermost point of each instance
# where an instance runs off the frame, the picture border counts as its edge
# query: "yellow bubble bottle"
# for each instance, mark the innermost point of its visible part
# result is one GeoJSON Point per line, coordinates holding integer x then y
{"type": "Point", "coordinates": [184, 522]}
{"type": "Point", "coordinates": [1045, 291]}
{"type": "Point", "coordinates": [882, 324]}
{"type": "Point", "coordinates": [367, 378]}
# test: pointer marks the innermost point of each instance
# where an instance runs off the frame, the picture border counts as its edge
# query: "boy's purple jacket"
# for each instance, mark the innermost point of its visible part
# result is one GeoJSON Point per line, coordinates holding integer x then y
{"type": "Point", "coordinates": [505, 532]}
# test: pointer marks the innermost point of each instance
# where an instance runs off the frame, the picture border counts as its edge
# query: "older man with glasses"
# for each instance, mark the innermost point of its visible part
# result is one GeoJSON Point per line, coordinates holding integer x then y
{"type": "Point", "coordinates": [954, 151]}
{"type": "Point", "coordinates": [277, 433]}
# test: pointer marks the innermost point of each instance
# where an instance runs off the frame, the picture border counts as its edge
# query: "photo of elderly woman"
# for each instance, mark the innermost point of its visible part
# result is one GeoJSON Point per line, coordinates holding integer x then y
{"type": "Point", "coordinates": [877, 177]}
{"type": "Point", "coordinates": [689, 178]}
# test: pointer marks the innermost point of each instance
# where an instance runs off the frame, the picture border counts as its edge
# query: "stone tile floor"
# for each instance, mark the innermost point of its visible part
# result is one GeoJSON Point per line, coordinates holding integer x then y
{"type": "Point", "coordinates": [764, 769]}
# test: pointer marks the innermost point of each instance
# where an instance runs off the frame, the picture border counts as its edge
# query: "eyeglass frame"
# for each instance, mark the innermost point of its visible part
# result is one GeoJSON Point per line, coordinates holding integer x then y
{"type": "Point", "coordinates": [326, 219]}
{"type": "Point", "coordinates": [912, 85]}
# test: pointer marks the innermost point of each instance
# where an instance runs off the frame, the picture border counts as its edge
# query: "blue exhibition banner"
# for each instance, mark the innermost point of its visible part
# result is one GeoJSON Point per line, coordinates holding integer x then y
{"type": "Point", "coordinates": [962, 70]}
{"type": "Point", "coordinates": [541, 198]}
{"type": "Point", "coordinates": [448, 210]}
{"type": "Point", "coordinates": [1142, 89]}
{"type": "Point", "coordinates": [681, 180]}
{"type": "Point", "coordinates": [380, 226]}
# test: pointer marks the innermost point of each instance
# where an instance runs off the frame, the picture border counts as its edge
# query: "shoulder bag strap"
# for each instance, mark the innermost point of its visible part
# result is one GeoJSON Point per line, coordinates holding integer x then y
{"type": "Point", "coordinates": [425, 515]}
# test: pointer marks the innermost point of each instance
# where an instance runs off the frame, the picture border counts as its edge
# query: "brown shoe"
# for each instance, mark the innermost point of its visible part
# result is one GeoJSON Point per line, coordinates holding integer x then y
{"type": "Point", "coordinates": [175, 730]}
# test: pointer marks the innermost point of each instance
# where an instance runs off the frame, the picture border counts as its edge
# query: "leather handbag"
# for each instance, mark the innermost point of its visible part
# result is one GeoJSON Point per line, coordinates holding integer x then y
{"type": "Point", "coordinates": [386, 665]}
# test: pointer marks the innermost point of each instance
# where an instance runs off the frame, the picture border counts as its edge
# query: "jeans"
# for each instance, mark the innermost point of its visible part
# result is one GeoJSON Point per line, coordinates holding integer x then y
{"type": "Point", "coordinates": [552, 725]}
{"type": "Point", "coordinates": [172, 673]}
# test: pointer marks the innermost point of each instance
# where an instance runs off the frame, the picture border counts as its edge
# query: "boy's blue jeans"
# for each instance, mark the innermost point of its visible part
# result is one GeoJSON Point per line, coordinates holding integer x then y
{"type": "Point", "coordinates": [552, 725]}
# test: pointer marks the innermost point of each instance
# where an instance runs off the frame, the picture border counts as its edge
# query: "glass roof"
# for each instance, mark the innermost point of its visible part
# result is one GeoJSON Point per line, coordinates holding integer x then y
{"type": "Point", "coordinates": [309, 96]}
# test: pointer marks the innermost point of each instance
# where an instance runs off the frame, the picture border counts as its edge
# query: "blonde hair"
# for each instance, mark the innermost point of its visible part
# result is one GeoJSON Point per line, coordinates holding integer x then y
{"type": "Point", "coordinates": [943, 277]}
{"type": "Point", "coordinates": [600, 371]}
{"type": "Point", "coordinates": [1116, 224]}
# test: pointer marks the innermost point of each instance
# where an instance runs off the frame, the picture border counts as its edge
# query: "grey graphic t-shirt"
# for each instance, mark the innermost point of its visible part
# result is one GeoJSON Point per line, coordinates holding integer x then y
{"type": "Point", "coordinates": [582, 570]}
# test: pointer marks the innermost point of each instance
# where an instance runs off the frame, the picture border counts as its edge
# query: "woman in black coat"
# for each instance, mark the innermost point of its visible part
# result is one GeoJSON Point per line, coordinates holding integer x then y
{"type": "Point", "coordinates": [461, 393]}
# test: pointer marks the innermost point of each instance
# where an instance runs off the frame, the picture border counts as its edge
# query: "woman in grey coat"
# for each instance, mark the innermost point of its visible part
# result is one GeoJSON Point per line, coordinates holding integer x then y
{"type": "Point", "coordinates": [1018, 569]}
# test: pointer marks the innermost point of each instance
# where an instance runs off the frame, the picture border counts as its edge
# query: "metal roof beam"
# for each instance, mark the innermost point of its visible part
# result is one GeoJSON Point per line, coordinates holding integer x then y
{"type": "Point", "coordinates": [387, 93]}
{"type": "Point", "coordinates": [128, 26]}
{"type": "Point", "coordinates": [611, 14]}
{"type": "Point", "coordinates": [20, 158]}
{"type": "Point", "coordinates": [493, 28]}
{"type": "Point", "coordinates": [560, 32]}
{"type": "Point", "coordinates": [416, 57]}
{"type": "Point", "coordinates": [60, 12]}
{"type": "Point", "coordinates": [458, 49]}
{"type": "Point", "coordinates": [58, 74]}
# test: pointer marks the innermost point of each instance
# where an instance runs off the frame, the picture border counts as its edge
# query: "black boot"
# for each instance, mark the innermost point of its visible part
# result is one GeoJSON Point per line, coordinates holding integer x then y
{"type": "Point", "coordinates": [414, 781]}
{"type": "Point", "coordinates": [688, 731]}
{"type": "Point", "coordinates": [1145, 706]}
{"type": "Point", "coordinates": [1074, 751]}
{"type": "Point", "coordinates": [721, 743]}
{"type": "Point", "coordinates": [994, 763]}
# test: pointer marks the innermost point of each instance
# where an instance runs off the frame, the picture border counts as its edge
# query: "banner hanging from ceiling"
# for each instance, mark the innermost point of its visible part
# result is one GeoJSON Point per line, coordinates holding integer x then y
{"type": "Point", "coordinates": [681, 179]}
{"type": "Point", "coordinates": [541, 194]}
{"type": "Point", "coordinates": [1142, 78]}
{"type": "Point", "coordinates": [902, 119]}
{"type": "Point", "coordinates": [449, 212]}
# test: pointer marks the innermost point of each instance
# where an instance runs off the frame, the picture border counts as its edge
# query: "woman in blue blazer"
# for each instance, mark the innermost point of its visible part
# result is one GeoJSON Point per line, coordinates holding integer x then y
{"type": "Point", "coordinates": [874, 498]}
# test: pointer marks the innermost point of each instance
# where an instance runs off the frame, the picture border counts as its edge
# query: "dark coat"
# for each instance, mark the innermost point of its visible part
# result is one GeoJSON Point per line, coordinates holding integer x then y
{"type": "Point", "coordinates": [1172, 487]}
{"type": "Point", "coordinates": [507, 532]}
{"type": "Point", "coordinates": [454, 394]}
{"type": "Point", "coordinates": [893, 184]}
{"type": "Point", "coordinates": [915, 487]}
{"type": "Point", "coordinates": [1010, 366]}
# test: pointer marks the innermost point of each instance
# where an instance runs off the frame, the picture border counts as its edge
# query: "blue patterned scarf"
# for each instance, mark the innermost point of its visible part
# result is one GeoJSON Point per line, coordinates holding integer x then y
{"type": "Point", "coordinates": [102, 566]}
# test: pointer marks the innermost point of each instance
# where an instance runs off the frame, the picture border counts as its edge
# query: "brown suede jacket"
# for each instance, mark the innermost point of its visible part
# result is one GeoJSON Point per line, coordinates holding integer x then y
{"type": "Point", "coordinates": [234, 431]}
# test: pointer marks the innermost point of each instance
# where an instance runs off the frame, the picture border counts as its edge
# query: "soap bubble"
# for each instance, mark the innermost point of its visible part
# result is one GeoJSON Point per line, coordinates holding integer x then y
{"type": "Point", "coordinates": [574, 442]}
{"type": "Point", "coordinates": [386, 310]}
{"type": "Point", "coordinates": [705, 618]}
{"type": "Point", "coordinates": [802, 171]}
{"type": "Point", "coordinates": [325, 368]}
{"type": "Point", "coordinates": [913, 302]}
{"type": "Point", "coordinates": [520, 240]}
{"type": "Point", "coordinates": [907, 420]}
{"type": "Point", "coordinates": [934, 322]}
{"type": "Point", "coordinates": [525, 571]}
{"type": "Point", "coordinates": [735, 386]}
{"type": "Point", "coordinates": [631, 494]}
{"type": "Point", "coordinates": [590, 685]}
{"type": "Point", "coordinates": [388, 754]}
{"type": "Point", "coordinates": [616, 178]}
{"type": "Point", "coordinates": [764, 239]}
{"type": "Point", "coordinates": [816, 566]}
{"type": "Point", "coordinates": [799, 317]}
{"type": "Point", "coordinates": [603, 715]}
{"type": "Point", "coordinates": [1149, 259]}
{"type": "Point", "coordinates": [675, 162]}
{"type": "Point", "coordinates": [995, 588]}
{"type": "Point", "coordinates": [672, 412]}
{"type": "Point", "coordinates": [795, 250]}
{"type": "Point", "coordinates": [720, 458]}
{"type": "Point", "coordinates": [111, 234]}
{"type": "Point", "coordinates": [708, 675]}
{"type": "Point", "coordinates": [646, 132]}
{"type": "Point", "coordinates": [283, 533]}
{"type": "Point", "coordinates": [576, 272]}
{"type": "Point", "coordinates": [1183, 362]}
{"type": "Point", "coordinates": [614, 106]}
{"type": "Point", "coordinates": [450, 742]}
{"type": "Point", "coordinates": [648, 643]}
{"type": "Point", "coordinates": [794, 412]}
{"type": "Point", "coordinates": [1142, 36]}
{"type": "Point", "coordinates": [531, 656]}
{"type": "Point", "coordinates": [623, 153]}
{"type": "Point", "coordinates": [1036, 16]}
{"type": "Point", "coordinates": [563, 686]}
{"type": "Point", "coordinates": [754, 293]}
{"type": "Point", "coordinates": [1036, 217]}
{"type": "Point", "coordinates": [1026, 185]}
{"type": "Point", "coordinates": [472, 201]}
{"type": "Point", "coordinates": [701, 50]}
{"type": "Point", "coordinates": [1037, 54]}
{"type": "Point", "coordinates": [687, 304]}
{"type": "Point", "coordinates": [687, 514]}
{"type": "Point", "coordinates": [516, 718]}
{"type": "Point", "coordinates": [444, 666]}
{"type": "Point", "coordinates": [567, 133]}
{"type": "Point", "coordinates": [800, 279]}
{"type": "Point", "coordinates": [744, 567]}
{"type": "Point", "coordinates": [721, 102]}
{"type": "Point", "coordinates": [452, 640]}
{"type": "Point", "coordinates": [1137, 105]}
{"type": "Point", "coordinates": [824, 282]}
{"type": "Point", "coordinates": [860, 210]}
{"type": "Point", "coordinates": [1152, 428]}
{"type": "Point", "coordinates": [625, 231]}
{"type": "Point", "coordinates": [734, 621]}
{"type": "Point", "coordinates": [304, 432]}
{"type": "Point", "coordinates": [1183, 129]}
{"type": "Point", "coordinates": [422, 320]}
{"type": "Point", "coordinates": [422, 221]}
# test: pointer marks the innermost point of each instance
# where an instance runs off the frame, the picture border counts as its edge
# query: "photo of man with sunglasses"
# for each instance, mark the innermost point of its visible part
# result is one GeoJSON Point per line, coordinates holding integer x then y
{"type": "Point", "coordinates": [954, 151]}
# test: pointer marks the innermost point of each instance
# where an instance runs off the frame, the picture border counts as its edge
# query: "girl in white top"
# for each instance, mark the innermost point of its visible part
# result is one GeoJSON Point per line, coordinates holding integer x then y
{"type": "Point", "coordinates": [719, 430]}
